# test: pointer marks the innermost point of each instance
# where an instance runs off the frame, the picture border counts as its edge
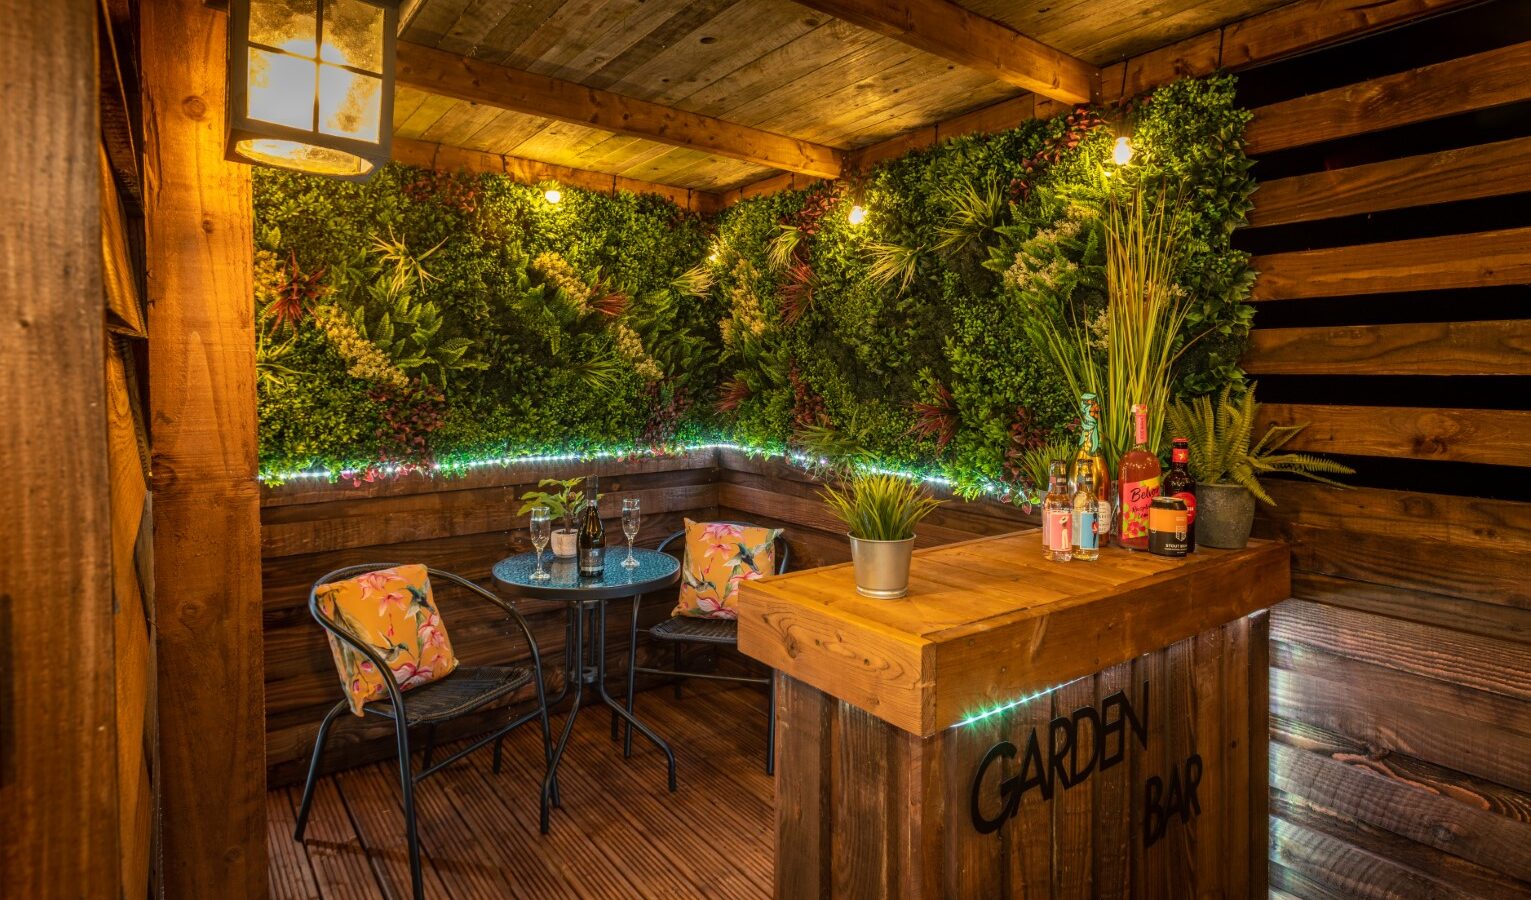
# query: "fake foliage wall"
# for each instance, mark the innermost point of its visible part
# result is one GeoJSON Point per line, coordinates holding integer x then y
{"type": "Point", "coordinates": [427, 317]}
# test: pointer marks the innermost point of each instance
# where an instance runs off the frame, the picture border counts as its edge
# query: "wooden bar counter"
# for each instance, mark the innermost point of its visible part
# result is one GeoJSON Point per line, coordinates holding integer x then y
{"type": "Point", "coordinates": [1021, 728]}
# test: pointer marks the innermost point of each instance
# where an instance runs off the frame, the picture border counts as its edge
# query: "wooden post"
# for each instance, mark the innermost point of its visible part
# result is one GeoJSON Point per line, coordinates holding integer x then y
{"type": "Point", "coordinates": [58, 777]}
{"type": "Point", "coordinates": [202, 434]}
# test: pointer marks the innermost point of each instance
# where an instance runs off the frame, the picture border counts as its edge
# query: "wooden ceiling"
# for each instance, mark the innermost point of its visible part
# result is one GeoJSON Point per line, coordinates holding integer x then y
{"type": "Point", "coordinates": [778, 68]}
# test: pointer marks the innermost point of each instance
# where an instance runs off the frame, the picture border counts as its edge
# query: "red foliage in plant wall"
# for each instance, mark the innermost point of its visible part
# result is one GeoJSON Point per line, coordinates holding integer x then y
{"type": "Point", "coordinates": [807, 406]}
{"type": "Point", "coordinates": [670, 407]}
{"type": "Point", "coordinates": [797, 294]}
{"type": "Point", "coordinates": [609, 302]}
{"type": "Point", "coordinates": [937, 419]}
{"type": "Point", "coordinates": [1025, 434]}
{"type": "Point", "coordinates": [455, 190]}
{"type": "Point", "coordinates": [409, 415]}
{"type": "Point", "coordinates": [734, 392]}
{"type": "Point", "coordinates": [1076, 126]}
{"type": "Point", "coordinates": [298, 293]}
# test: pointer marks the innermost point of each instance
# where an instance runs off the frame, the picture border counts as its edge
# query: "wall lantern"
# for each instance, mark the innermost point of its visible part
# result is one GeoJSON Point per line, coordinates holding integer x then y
{"type": "Point", "coordinates": [858, 214]}
{"type": "Point", "coordinates": [552, 195]}
{"type": "Point", "coordinates": [311, 84]}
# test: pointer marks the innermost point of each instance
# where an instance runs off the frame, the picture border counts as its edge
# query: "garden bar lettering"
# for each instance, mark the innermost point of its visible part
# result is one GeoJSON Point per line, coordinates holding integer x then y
{"type": "Point", "coordinates": [1073, 753]}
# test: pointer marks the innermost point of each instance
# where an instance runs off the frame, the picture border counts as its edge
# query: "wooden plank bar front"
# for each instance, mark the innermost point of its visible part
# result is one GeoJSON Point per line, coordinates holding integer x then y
{"type": "Point", "coordinates": [1021, 728]}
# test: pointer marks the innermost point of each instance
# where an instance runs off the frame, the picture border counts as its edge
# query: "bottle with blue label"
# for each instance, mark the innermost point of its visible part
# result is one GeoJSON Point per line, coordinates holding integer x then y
{"type": "Point", "coordinates": [1086, 523]}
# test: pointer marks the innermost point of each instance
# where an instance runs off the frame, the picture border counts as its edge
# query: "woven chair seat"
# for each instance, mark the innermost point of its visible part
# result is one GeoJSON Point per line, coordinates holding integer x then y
{"type": "Point", "coordinates": [466, 689]}
{"type": "Point", "coordinates": [691, 628]}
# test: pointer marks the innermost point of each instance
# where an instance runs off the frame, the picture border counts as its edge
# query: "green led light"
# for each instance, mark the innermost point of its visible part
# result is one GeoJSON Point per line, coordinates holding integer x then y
{"type": "Point", "coordinates": [1021, 701]}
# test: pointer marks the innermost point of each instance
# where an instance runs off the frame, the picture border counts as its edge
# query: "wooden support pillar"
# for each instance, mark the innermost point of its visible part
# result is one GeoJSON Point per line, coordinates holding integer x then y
{"type": "Point", "coordinates": [58, 775]}
{"type": "Point", "coordinates": [202, 436]}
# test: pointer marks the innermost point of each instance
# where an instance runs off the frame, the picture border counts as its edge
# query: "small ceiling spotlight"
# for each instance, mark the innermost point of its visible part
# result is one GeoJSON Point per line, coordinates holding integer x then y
{"type": "Point", "coordinates": [552, 195]}
{"type": "Point", "coordinates": [1121, 154]}
{"type": "Point", "coordinates": [858, 214]}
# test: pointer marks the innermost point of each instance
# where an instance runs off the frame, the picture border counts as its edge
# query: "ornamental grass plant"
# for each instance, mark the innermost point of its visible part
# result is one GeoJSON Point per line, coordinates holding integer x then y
{"type": "Point", "coordinates": [877, 507]}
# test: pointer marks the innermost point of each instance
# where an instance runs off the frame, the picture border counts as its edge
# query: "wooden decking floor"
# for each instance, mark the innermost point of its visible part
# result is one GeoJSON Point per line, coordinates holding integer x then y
{"type": "Point", "coordinates": [619, 834]}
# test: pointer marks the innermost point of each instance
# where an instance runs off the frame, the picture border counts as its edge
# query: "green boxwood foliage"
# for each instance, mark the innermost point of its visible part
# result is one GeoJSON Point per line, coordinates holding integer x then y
{"type": "Point", "coordinates": [430, 317]}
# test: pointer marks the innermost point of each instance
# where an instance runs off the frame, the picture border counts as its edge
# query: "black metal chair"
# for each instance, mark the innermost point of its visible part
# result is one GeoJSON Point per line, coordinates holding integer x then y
{"type": "Point", "coordinates": [678, 631]}
{"type": "Point", "coordinates": [466, 689]}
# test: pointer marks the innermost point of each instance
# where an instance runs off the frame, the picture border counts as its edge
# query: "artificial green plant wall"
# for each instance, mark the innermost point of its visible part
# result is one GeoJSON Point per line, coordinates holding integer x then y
{"type": "Point", "coordinates": [426, 316]}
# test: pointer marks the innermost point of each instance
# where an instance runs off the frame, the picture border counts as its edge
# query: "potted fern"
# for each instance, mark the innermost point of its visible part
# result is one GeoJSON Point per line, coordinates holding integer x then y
{"type": "Point", "coordinates": [880, 512]}
{"type": "Point", "coordinates": [1227, 469]}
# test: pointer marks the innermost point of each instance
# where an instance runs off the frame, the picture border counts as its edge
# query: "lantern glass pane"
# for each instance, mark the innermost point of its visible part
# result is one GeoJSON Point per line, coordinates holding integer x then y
{"type": "Point", "coordinates": [353, 35]}
{"type": "Point", "coordinates": [301, 156]}
{"type": "Point", "coordinates": [281, 89]}
{"type": "Point", "coordinates": [290, 25]}
{"type": "Point", "coordinates": [350, 105]}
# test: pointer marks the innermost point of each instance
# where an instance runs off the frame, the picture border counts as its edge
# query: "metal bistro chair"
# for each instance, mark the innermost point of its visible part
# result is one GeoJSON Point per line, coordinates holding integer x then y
{"type": "Point", "coordinates": [680, 630]}
{"type": "Point", "coordinates": [466, 689]}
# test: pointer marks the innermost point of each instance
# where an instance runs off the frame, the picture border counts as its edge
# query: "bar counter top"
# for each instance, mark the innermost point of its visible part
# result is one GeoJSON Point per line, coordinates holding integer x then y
{"type": "Point", "coordinates": [988, 622]}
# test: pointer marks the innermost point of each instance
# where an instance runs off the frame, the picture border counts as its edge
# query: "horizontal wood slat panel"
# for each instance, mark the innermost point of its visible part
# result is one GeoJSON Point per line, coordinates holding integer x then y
{"type": "Point", "coordinates": [1431, 721]}
{"type": "Point", "coordinates": [1498, 437]}
{"type": "Point", "coordinates": [1486, 664]}
{"type": "Point", "coordinates": [1464, 173]}
{"type": "Point", "coordinates": [1435, 610]}
{"type": "Point", "coordinates": [1356, 792]}
{"type": "Point", "coordinates": [1483, 259]}
{"type": "Point", "coordinates": [1481, 81]}
{"type": "Point", "coordinates": [1310, 24]}
{"type": "Point", "coordinates": [1358, 861]}
{"type": "Point", "coordinates": [1430, 348]}
{"type": "Point", "coordinates": [1466, 523]}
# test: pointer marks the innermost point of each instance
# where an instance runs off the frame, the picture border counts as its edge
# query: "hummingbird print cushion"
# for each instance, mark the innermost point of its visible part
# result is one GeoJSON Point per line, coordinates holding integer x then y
{"type": "Point", "coordinates": [393, 612]}
{"type": "Point", "coordinates": [720, 555]}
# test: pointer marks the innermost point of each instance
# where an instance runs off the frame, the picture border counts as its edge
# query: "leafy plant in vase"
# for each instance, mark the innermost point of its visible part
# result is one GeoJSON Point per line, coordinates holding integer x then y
{"type": "Point", "coordinates": [1227, 468]}
{"type": "Point", "coordinates": [562, 504]}
{"type": "Point", "coordinates": [880, 513]}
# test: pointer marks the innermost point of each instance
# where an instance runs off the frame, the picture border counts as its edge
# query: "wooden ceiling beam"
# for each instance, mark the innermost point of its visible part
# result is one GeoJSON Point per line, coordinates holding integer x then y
{"type": "Point", "coordinates": [476, 81]}
{"type": "Point", "coordinates": [445, 157]}
{"type": "Point", "coordinates": [944, 29]}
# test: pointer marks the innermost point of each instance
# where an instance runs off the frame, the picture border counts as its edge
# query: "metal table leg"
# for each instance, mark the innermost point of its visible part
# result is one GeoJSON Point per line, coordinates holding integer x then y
{"type": "Point", "coordinates": [550, 783]}
{"type": "Point", "coordinates": [617, 706]}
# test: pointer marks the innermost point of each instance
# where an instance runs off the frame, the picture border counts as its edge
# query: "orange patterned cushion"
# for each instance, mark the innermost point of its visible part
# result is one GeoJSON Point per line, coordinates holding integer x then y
{"type": "Point", "coordinates": [718, 557]}
{"type": "Point", "coordinates": [391, 610]}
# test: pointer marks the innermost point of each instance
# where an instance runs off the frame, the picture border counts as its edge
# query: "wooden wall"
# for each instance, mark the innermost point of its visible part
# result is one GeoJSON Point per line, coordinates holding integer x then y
{"type": "Point", "coordinates": [464, 525]}
{"type": "Point", "coordinates": [1391, 234]}
{"type": "Point", "coordinates": [58, 734]}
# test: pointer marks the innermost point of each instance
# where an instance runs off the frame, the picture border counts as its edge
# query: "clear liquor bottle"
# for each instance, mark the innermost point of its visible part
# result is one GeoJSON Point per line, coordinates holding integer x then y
{"type": "Point", "coordinates": [1057, 516]}
{"type": "Point", "coordinates": [1086, 519]}
{"type": "Point", "coordinates": [1138, 483]}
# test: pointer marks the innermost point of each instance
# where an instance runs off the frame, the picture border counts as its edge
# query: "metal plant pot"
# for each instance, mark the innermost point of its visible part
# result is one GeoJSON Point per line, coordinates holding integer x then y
{"type": "Point", "coordinates": [1224, 515]}
{"type": "Point", "coordinates": [882, 567]}
{"type": "Point", "coordinates": [565, 543]}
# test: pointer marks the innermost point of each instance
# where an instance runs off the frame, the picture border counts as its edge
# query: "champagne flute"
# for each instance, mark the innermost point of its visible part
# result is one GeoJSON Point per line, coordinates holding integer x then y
{"type": "Point", "coordinates": [631, 517]}
{"type": "Point", "coordinates": [542, 532]}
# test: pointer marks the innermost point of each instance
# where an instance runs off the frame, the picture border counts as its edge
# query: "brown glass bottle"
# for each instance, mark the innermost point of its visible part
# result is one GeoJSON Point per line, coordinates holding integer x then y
{"type": "Point", "coordinates": [1179, 483]}
{"type": "Point", "coordinates": [1138, 484]}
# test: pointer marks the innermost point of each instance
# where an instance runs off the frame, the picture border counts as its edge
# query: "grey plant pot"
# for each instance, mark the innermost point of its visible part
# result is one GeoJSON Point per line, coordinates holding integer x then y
{"type": "Point", "coordinates": [1224, 515]}
{"type": "Point", "coordinates": [882, 567]}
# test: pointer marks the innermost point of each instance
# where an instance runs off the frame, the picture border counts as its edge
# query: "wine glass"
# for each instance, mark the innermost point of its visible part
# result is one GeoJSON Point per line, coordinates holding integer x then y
{"type": "Point", "coordinates": [632, 516]}
{"type": "Point", "coordinates": [542, 532]}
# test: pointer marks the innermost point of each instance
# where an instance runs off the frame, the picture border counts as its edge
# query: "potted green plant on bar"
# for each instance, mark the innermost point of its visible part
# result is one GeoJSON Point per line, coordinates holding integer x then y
{"type": "Point", "coordinates": [1227, 469]}
{"type": "Point", "coordinates": [880, 512]}
{"type": "Point", "coordinates": [562, 503]}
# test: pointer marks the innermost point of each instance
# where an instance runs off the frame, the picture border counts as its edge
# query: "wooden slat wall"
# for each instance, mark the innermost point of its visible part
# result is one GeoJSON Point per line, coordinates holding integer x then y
{"type": "Point", "coordinates": [1401, 674]}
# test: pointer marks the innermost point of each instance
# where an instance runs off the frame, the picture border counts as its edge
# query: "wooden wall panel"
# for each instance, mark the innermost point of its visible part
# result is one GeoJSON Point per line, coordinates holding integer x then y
{"type": "Point", "coordinates": [206, 501]}
{"type": "Point", "coordinates": [58, 772]}
{"type": "Point", "coordinates": [1400, 693]}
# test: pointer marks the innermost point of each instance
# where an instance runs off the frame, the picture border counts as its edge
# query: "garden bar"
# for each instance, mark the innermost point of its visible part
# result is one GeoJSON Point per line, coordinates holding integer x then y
{"type": "Point", "coordinates": [821, 449]}
{"type": "Point", "coordinates": [1113, 714]}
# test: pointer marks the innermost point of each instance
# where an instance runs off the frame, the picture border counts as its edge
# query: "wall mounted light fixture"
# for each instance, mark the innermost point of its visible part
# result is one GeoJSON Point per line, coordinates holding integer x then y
{"type": "Point", "coordinates": [311, 84]}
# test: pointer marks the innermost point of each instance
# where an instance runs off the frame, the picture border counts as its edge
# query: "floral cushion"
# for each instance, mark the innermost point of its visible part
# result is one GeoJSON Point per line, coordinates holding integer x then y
{"type": "Point", "coordinates": [392, 611]}
{"type": "Point", "coordinates": [718, 557]}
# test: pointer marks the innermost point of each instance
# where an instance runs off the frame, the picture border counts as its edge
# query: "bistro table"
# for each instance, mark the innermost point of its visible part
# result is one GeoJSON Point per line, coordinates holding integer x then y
{"type": "Point", "coordinates": [586, 599]}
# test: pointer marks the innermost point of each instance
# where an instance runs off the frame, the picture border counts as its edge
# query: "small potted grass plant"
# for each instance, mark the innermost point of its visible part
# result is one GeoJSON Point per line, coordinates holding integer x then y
{"type": "Point", "coordinates": [1227, 469]}
{"type": "Point", "coordinates": [880, 512]}
{"type": "Point", "coordinates": [562, 503]}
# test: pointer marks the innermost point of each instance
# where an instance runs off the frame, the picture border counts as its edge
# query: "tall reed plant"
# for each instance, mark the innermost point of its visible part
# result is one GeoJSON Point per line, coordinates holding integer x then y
{"type": "Point", "coordinates": [878, 507]}
{"type": "Point", "coordinates": [1129, 355]}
